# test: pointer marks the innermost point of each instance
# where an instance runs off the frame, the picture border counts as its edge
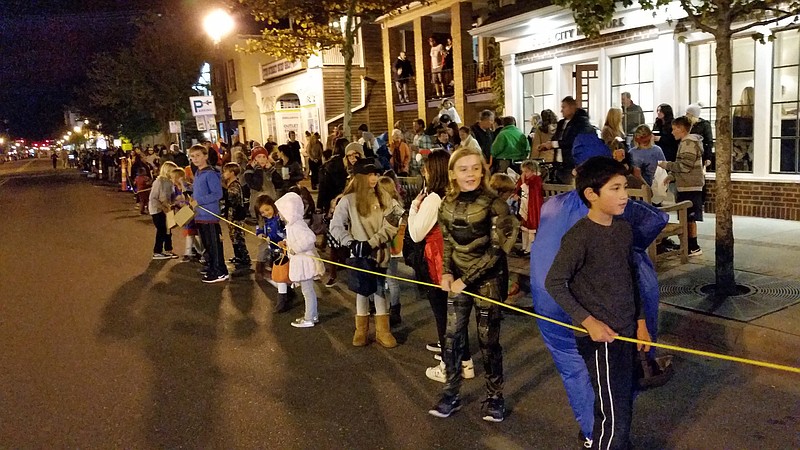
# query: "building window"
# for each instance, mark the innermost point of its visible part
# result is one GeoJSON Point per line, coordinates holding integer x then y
{"type": "Point", "coordinates": [786, 103]}
{"type": "Point", "coordinates": [633, 74]}
{"type": "Point", "coordinates": [703, 90]}
{"type": "Point", "coordinates": [230, 73]}
{"type": "Point", "coordinates": [537, 94]}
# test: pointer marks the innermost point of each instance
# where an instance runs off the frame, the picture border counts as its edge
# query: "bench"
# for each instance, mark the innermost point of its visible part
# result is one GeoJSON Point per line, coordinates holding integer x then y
{"type": "Point", "coordinates": [680, 229]}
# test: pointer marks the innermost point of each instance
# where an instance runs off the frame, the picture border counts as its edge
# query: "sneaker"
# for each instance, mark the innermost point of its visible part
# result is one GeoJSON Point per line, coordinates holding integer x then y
{"type": "Point", "coordinates": [303, 323]}
{"type": "Point", "coordinates": [467, 369]}
{"type": "Point", "coordinates": [437, 373]}
{"type": "Point", "coordinates": [330, 283]}
{"type": "Point", "coordinates": [494, 409]}
{"type": "Point", "coordinates": [434, 347]}
{"type": "Point", "coordinates": [186, 258]}
{"type": "Point", "coordinates": [215, 279]}
{"type": "Point", "coordinates": [695, 251]}
{"type": "Point", "coordinates": [161, 256]}
{"type": "Point", "coordinates": [437, 356]}
{"type": "Point", "coordinates": [585, 442]}
{"type": "Point", "coordinates": [171, 255]}
{"type": "Point", "coordinates": [446, 406]}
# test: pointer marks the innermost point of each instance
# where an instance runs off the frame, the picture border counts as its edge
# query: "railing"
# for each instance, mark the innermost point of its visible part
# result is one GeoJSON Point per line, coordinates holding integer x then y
{"type": "Point", "coordinates": [478, 78]}
{"type": "Point", "coordinates": [334, 56]}
{"type": "Point", "coordinates": [411, 89]}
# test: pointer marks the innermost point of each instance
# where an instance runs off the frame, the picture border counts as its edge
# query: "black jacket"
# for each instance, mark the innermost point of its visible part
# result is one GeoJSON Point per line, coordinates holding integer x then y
{"type": "Point", "coordinates": [667, 141]}
{"type": "Point", "coordinates": [332, 180]}
{"type": "Point", "coordinates": [484, 138]}
{"type": "Point", "coordinates": [567, 131]}
{"type": "Point", "coordinates": [703, 128]}
{"type": "Point", "coordinates": [405, 67]}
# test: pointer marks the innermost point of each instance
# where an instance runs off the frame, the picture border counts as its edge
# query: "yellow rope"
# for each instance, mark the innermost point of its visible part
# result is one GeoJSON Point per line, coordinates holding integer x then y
{"type": "Point", "coordinates": [538, 316]}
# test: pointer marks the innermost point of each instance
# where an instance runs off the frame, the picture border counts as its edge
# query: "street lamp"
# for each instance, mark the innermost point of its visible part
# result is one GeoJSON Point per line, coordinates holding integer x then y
{"type": "Point", "coordinates": [77, 128]}
{"type": "Point", "coordinates": [218, 24]}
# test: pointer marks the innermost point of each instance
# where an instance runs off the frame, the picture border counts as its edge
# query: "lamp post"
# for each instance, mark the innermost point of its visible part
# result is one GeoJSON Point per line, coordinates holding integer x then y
{"type": "Point", "coordinates": [218, 24]}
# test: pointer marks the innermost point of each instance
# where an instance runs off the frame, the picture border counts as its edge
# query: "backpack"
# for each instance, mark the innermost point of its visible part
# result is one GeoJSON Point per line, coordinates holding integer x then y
{"type": "Point", "coordinates": [414, 257]}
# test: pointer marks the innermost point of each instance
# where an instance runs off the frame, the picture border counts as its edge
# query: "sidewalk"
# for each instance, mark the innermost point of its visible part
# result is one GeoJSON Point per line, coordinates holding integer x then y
{"type": "Point", "coordinates": [766, 250]}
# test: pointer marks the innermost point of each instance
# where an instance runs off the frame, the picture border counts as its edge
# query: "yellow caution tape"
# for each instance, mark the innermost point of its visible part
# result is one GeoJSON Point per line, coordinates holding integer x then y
{"type": "Point", "coordinates": [675, 348]}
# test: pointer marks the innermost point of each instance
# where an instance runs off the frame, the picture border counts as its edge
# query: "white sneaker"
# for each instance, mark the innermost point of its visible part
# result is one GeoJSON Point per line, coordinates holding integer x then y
{"type": "Point", "coordinates": [303, 323]}
{"type": "Point", "coordinates": [438, 373]}
{"type": "Point", "coordinates": [467, 369]}
{"type": "Point", "coordinates": [161, 256]}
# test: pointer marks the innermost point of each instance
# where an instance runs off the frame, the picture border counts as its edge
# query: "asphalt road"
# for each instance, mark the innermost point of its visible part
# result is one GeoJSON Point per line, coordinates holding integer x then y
{"type": "Point", "coordinates": [104, 348]}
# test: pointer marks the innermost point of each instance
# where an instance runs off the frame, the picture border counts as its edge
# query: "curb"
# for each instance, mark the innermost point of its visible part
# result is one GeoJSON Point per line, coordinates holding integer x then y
{"type": "Point", "coordinates": [701, 332]}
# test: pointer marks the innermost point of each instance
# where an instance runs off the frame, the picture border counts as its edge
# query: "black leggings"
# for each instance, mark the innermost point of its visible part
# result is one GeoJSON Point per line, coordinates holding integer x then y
{"type": "Point", "coordinates": [210, 234]}
{"type": "Point", "coordinates": [163, 235]}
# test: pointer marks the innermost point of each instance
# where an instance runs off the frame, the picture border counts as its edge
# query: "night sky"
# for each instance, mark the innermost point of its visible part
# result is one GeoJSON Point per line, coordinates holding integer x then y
{"type": "Point", "coordinates": [45, 46]}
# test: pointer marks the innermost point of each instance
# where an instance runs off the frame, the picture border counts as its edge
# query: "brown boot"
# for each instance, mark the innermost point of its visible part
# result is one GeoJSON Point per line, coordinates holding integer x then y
{"type": "Point", "coordinates": [362, 331]}
{"type": "Point", "coordinates": [259, 271]}
{"type": "Point", "coordinates": [383, 334]}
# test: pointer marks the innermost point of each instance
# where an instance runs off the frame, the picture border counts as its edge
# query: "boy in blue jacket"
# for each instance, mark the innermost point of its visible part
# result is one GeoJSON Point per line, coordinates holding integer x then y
{"type": "Point", "coordinates": [207, 194]}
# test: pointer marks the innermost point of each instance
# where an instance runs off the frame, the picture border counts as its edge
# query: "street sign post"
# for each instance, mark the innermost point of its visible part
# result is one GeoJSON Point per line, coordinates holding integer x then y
{"type": "Point", "coordinates": [203, 105]}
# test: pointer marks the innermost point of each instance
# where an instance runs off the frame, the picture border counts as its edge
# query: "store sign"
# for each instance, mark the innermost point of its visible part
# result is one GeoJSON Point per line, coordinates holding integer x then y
{"type": "Point", "coordinates": [280, 68]}
{"type": "Point", "coordinates": [571, 33]}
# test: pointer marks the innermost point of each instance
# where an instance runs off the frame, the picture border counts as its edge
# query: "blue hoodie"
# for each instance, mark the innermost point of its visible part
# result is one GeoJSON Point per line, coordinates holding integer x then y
{"type": "Point", "coordinates": [207, 193]}
{"type": "Point", "coordinates": [274, 230]}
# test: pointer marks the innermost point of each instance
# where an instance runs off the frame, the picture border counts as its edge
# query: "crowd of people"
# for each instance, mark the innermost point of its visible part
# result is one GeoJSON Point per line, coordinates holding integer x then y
{"type": "Point", "coordinates": [482, 185]}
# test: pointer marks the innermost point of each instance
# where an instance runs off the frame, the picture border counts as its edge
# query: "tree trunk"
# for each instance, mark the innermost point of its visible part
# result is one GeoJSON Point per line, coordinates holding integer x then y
{"type": "Point", "coordinates": [725, 282]}
{"type": "Point", "coordinates": [348, 52]}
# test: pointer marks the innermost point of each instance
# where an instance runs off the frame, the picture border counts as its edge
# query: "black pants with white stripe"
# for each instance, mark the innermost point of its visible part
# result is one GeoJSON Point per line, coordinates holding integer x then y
{"type": "Point", "coordinates": [611, 368]}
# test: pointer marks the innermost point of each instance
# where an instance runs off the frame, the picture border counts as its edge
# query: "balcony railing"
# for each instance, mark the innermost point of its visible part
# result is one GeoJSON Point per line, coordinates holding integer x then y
{"type": "Point", "coordinates": [478, 78]}
{"type": "Point", "coordinates": [334, 56]}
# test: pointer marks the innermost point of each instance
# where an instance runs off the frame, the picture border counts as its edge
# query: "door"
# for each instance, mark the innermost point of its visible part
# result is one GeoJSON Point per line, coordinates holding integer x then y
{"type": "Point", "coordinates": [586, 89]}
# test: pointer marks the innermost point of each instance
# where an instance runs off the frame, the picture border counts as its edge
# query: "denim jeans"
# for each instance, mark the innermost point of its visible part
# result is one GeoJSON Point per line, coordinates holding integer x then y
{"type": "Point", "coordinates": [310, 296]}
{"type": "Point", "coordinates": [393, 285]}
{"type": "Point", "coordinates": [211, 235]}
{"type": "Point", "coordinates": [488, 317]}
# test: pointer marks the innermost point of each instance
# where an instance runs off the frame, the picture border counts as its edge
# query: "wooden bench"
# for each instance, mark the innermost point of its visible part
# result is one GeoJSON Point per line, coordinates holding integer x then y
{"type": "Point", "coordinates": [680, 229]}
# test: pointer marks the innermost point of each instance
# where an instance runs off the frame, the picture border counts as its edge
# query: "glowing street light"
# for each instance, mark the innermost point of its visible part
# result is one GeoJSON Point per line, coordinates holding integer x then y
{"type": "Point", "coordinates": [218, 24]}
{"type": "Point", "coordinates": [77, 128]}
{"type": "Point", "coordinates": [86, 121]}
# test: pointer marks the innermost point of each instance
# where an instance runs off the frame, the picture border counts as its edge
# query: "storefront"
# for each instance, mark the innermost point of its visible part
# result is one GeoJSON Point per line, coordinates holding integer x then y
{"type": "Point", "coordinates": [639, 52]}
{"type": "Point", "coordinates": [290, 98]}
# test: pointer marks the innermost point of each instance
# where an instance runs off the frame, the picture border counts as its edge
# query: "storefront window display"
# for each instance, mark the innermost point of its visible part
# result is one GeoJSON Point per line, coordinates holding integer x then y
{"type": "Point", "coordinates": [785, 102]}
{"type": "Point", "coordinates": [633, 74]}
{"type": "Point", "coordinates": [703, 91]}
{"type": "Point", "coordinates": [538, 94]}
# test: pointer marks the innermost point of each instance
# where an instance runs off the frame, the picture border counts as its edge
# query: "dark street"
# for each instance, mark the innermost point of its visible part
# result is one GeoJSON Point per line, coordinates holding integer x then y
{"type": "Point", "coordinates": [105, 348]}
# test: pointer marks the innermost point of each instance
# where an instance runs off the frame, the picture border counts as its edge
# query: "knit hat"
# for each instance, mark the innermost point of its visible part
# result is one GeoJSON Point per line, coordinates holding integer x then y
{"type": "Point", "coordinates": [174, 148]}
{"type": "Point", "coordinates": [354, 147]}
{"type": "Point", "coordinates": [366, 166]}
{"type": "Point", "coordinates": [258, 151]}
{"type": "Point", "coordinates": [693, 110]}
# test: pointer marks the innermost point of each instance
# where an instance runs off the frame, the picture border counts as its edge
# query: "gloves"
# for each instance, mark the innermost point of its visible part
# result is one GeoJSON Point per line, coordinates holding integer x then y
{"type": "Point", "coordinates": [360, 249]}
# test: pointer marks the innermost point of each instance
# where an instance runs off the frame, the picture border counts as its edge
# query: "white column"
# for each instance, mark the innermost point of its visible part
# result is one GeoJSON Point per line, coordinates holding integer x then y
{"type": "Point", "coordinates": [512, 82]}
{"type": "Point", "coordinates": [762, 110]}
{"type": "Point", "coordinates": [667, 80]}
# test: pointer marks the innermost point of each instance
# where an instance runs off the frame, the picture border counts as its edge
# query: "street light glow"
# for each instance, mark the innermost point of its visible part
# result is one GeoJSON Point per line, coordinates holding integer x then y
{"type": "Point", "coordinates": [86, 121]}
{"type": "Point", "coordinates": [218, 24]}
{"type": "Point", "coordinates": [77, 128]}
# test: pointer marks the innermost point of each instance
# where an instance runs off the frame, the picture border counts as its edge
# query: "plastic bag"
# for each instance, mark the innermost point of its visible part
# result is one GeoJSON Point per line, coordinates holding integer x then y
{"type": "Point", "coordinates": [659, 188]}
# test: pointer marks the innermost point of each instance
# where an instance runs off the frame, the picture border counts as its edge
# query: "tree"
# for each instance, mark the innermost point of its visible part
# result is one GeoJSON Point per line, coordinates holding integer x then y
{"type": "Point", "coordinates": [138, 90]}
{"type": "Point", "coordinates": [297, 29]}
{"type": "Point", "coordinates": [722, 19]}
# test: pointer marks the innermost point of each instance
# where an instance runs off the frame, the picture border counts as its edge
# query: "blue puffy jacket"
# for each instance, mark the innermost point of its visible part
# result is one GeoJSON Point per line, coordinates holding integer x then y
{"type": "Point", "coordinates": [558, 215]}
{"type": "Point", "coordinates": [274, 230]}
{"type": "Point", "coordinates": [207, 192]}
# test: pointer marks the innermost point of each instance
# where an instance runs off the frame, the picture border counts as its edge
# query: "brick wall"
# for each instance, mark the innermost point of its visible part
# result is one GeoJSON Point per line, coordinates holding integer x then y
{"type": "Point", "coordinates": [760, 199]}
